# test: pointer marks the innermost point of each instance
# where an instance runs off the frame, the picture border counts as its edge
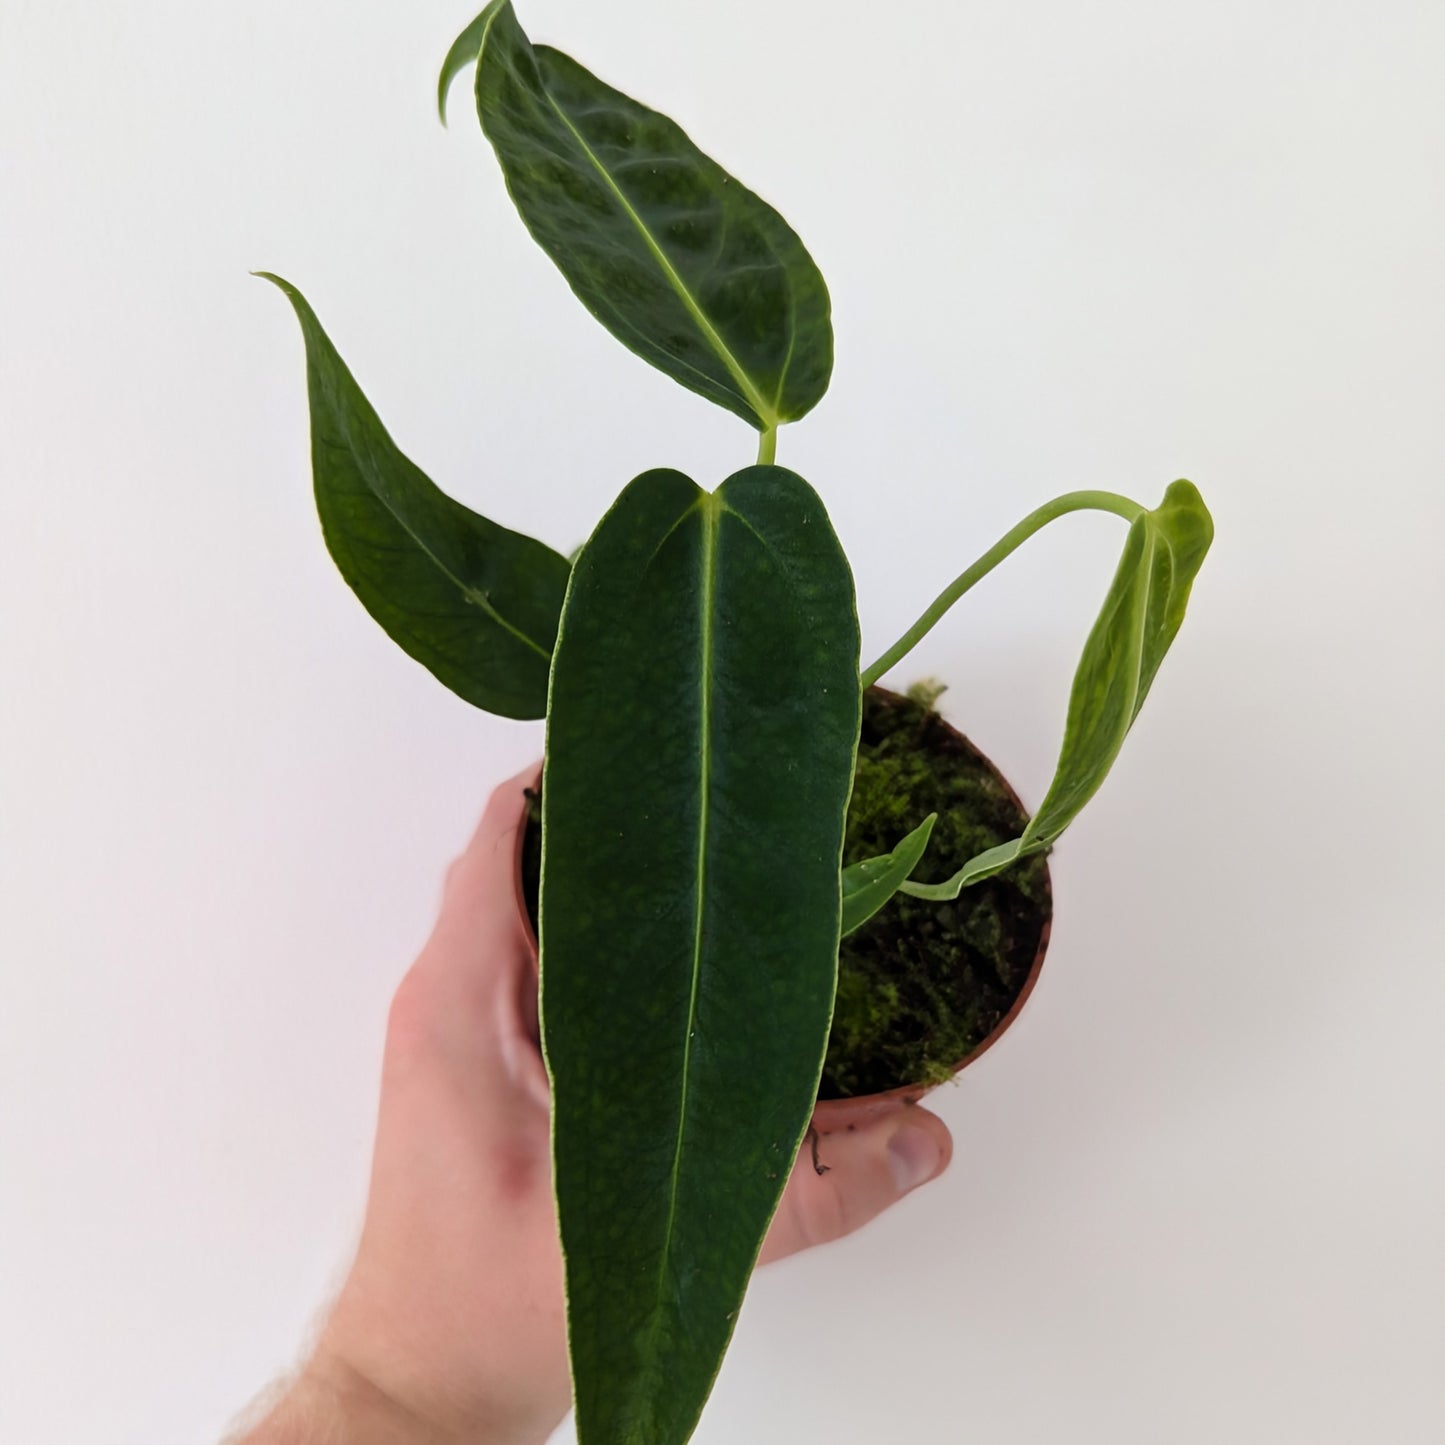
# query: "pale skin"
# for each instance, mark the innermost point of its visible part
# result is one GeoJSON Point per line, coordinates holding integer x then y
{"type": "Point", "coordinates": [450, 1327]}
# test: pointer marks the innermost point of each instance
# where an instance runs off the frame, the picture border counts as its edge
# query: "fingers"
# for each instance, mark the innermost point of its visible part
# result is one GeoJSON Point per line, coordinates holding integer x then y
{"type": "Point", "coordinates": [472, 993]}
{"type": "Point", "coordinates": [484, 876]}
{"type": "Point", "coordinates": [864, 1172]}
{"type": "Point", "coordinates": [479, 909]}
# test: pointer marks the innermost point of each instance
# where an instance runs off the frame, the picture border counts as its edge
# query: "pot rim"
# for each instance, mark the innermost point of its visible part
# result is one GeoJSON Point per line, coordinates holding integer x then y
{"type": "Point", "coordinates": [831, 1115]}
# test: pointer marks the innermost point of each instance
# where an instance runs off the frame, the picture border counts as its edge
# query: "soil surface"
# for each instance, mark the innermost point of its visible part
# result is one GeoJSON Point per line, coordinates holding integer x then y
{"type": "Point", "coordinates": [921, 984]}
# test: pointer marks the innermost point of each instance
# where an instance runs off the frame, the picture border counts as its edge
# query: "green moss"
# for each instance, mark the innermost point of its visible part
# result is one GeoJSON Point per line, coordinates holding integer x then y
{"type": "Point", "coordinates": [921, 984]}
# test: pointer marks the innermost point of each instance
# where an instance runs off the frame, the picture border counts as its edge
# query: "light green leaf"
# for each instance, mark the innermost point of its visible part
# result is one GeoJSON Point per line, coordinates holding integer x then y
{"type": "Point", "coordinates": [685, 266]}
{"type": "Point", "coordinates": [473, 602]}
{"type": "Point", "coordinates": [690, 904]}
{"type": "Point", "coordinates": [1141, 615]}
{"type": "Point", "coordinates": [983, 865]}
{"type": "Point", "coordinates": [870, 883]}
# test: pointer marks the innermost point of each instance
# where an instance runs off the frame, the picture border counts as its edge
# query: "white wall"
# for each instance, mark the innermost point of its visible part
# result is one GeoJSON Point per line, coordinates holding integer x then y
{"type": "Point", "coordinates": [1199, 1194]}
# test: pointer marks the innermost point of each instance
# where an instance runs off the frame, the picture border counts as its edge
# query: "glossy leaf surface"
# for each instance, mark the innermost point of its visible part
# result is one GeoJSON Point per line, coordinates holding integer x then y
{"type": "Point", "coordinates": [1141, 615]}
{"type": "Point", "coordinates": [471, 601]}
{"type": "Point", "coordinates": [683, 265]}
{"type": "Point", "coordinates": [703, 723]}
{"type": "Point", "coordinates": [871, 882]}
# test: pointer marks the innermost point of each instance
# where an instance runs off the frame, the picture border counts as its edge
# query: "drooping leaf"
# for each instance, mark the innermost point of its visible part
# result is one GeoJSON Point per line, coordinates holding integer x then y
{"type": "Point", "coordinates": [703, 723]}
{"type": "Point", "coordinates": [1141, 615]}
{"type": "Point", "coordinates": [682, 264]}
{"type": "Point", "coordinates": [471, 601]}
{"type": "Point", "coordinates": [871, 882]}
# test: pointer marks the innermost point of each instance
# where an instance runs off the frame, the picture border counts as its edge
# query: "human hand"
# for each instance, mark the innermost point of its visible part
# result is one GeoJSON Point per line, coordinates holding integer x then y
{"type": "Point", "coordinates": [451, 1325]}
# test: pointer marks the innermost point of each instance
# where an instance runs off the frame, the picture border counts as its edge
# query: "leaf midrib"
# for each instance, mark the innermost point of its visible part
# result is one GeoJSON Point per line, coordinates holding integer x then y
{"type": "Point", "coordinates": [473, 595]}
{"type": "Point", "coordinates": [710, 506]}
{"type": "Point", "coordinates": [347, 422]}
{"type": "Point", "coordinates": [1137, 629]}
{"type": "Point", "coordinates": [768, 415]}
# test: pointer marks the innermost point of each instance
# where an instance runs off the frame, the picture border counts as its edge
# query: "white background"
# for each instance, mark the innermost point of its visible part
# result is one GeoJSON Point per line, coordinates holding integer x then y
{"type": "Point", "coordinates": [1199, 1192]}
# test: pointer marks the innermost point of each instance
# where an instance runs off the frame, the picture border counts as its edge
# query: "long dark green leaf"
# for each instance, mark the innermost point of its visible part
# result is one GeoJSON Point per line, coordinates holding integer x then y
{"type": "Point", "coordinates": [700, 744]}
{"type": "Point", "coordinates": [474, 603]}
{"type": "Point", "coordinates": [1142, 613]}
{"type": "Point", "coordinates": [871, 882]}
{"type": "Point", "coordinates": [682, 264]}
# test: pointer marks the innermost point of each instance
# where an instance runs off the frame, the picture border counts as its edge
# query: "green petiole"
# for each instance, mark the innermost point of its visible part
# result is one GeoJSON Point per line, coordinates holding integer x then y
{"type": "Point", "coordinates": [1009, 542]}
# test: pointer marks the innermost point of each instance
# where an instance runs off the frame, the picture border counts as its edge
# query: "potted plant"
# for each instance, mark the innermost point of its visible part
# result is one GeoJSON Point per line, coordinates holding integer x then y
{"type": "Point", "coordinates": [753, 872]}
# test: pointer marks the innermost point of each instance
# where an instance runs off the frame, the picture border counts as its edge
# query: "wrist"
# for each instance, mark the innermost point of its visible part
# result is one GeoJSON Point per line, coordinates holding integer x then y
{"type": "Point", "coordinates": [330, 1403]}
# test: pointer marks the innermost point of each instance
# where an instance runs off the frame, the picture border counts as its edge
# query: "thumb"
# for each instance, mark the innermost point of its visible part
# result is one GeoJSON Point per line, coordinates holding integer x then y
{"type": "Point", "coordinates": [843, 1180]}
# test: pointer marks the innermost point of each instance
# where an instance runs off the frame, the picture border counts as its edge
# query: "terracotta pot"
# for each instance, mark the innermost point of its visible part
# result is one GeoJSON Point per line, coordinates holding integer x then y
{"type": "Point", "coordinates": [833, 1115]}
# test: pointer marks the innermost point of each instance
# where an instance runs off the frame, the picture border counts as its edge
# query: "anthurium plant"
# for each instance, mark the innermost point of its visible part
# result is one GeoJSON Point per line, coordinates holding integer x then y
{"type": "Point", "coordinates": [697, 665]}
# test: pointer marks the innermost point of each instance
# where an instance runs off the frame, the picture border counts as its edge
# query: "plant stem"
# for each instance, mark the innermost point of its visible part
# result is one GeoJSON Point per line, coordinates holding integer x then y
{"type": "Point", "coordinates": [1035, 521]}
{"type": "Point", "coordinates": [767, 446]}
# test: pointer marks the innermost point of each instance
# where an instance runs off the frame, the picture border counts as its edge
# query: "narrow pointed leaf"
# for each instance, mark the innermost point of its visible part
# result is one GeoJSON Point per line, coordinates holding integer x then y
{"type": "Point", "coordinates": [690, 898]}
{"type": "Point", "coordinates": [682, 264]}
{"type": "Point", "coordinates": [870, 883]}
{"type": "Point", "coordinates": [1141, 615]}
{"type": "Point", "coordinates": [473, 602]}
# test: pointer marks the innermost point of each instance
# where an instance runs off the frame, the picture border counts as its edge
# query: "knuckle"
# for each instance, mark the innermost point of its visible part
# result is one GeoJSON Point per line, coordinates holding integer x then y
{"type": "Point", "coordinates": [452, 874]}
{"type": "Point", "coordinates": [408, 1020]}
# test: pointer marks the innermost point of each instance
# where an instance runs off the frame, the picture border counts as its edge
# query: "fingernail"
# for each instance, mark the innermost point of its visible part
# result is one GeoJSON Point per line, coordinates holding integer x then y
{"type": "Point", "coordinates": [913, 1156]}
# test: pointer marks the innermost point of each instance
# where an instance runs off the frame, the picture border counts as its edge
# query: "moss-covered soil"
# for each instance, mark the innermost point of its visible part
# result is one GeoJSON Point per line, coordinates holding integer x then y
{"type": "Point", "coordinates": [921, 984]}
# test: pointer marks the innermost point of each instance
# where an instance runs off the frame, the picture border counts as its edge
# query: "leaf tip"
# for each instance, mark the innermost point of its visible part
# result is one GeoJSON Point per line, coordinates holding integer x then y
{"type": "Point", "coordinates": [444, 89]}
{"type": "Point", "coordinates": [466, 50]}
